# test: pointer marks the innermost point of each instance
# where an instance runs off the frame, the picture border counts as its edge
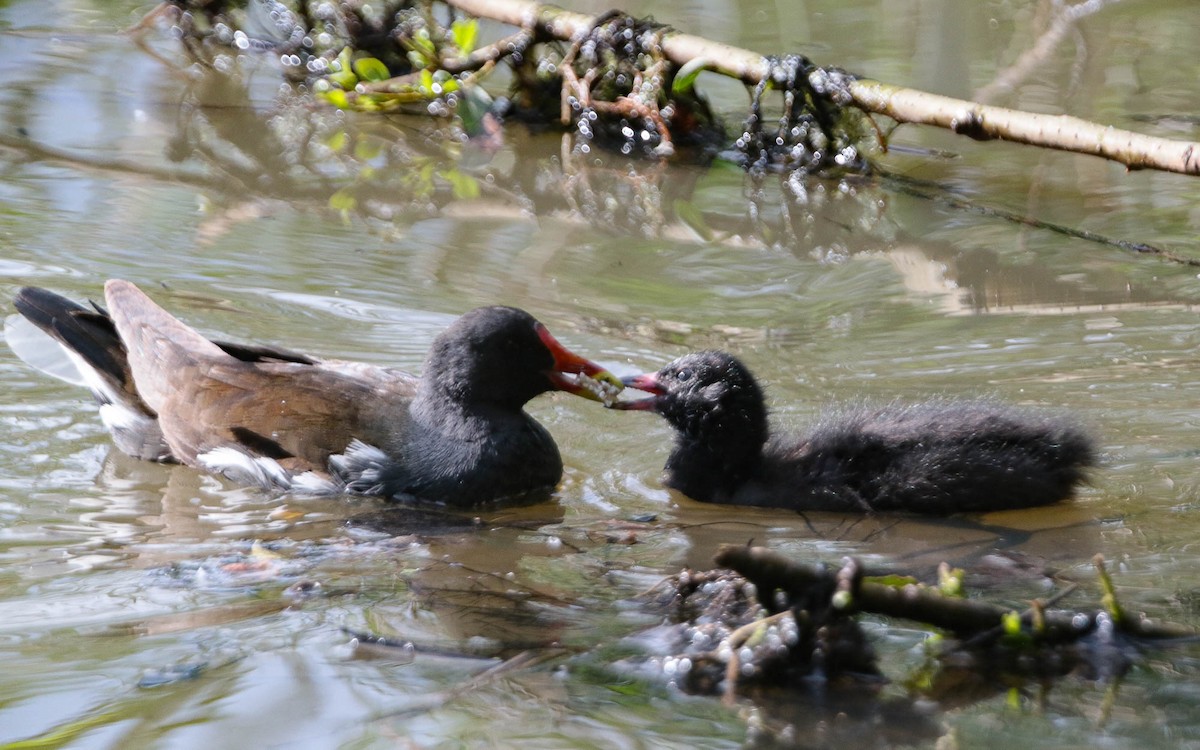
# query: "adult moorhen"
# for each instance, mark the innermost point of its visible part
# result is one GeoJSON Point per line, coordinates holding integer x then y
{"type": "Point", "coordinates": [456, 435]}
{"type": "Point", "coordinates": [937, 456]}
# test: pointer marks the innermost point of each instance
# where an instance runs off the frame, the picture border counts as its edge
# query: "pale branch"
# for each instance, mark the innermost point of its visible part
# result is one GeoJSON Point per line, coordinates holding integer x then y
{"type": "Point", "coordinates": [904, 105]}
{"type": "Point", "coordinates": [489, 54]}
{"type": "Point", "coordinates": [1063, 132]}
{"type": "Point", "coordinates": [563, 25]}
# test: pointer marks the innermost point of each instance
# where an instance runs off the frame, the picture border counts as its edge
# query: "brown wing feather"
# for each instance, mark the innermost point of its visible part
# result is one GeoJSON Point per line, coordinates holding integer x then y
{"type": "Point", "coordinates": [206, 398]}
{"type": "Point", "coordinates": [161, 348]}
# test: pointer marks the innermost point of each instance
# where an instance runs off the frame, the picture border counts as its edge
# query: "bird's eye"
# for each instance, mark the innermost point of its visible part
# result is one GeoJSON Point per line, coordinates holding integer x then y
{"type": "Point", "coordinates": [683, 375]}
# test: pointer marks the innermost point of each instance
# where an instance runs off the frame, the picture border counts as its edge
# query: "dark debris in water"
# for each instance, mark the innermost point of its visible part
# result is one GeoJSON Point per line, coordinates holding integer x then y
{"type": "Point", "coordinates": [722, 640]}
{"type": "Point", "coordinates": [617, 91]}
{"type": "Point", "coordinates": [806, 668]}
{"type": "Point", "coordinates": [255, 566]}
{"type": "Point", "coordinates": [784, 638]}
{"type": "Point", "coordinates": [185, 671]}
{"type": "Point", "coordinates": [814, 132]}
{"type": "Point", "coordinates": [170, 675]}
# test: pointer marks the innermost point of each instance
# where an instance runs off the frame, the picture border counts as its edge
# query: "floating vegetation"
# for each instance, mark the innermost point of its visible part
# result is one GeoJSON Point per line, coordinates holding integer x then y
{"type": "Point", "coordinates": [611, 85]}
{"type": "Point", "coordinates": [815, 132]}
{"type": "Point", "coordinates": [763, 629]}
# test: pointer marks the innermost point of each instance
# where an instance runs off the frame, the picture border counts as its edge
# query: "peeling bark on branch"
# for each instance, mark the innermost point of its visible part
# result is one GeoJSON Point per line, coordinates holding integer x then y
{"type": "Point", "coordinates": [986, 122]}
{"type": "Point", "coordinates": [979, 121]}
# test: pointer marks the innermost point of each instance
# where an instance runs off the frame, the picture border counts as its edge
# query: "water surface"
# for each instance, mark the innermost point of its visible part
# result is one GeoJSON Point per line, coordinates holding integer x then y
{"type": "Point", "coordinates": [151, 606]}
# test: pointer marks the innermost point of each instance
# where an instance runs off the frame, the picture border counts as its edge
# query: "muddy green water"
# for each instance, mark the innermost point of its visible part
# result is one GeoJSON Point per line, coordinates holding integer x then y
{"type": "Point", "coordinates": [151, 606]}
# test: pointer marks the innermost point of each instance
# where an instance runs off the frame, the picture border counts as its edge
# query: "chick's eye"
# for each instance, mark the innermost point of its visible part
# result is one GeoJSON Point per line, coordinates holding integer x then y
{"type": "Point", "coordinates": [684, 374]}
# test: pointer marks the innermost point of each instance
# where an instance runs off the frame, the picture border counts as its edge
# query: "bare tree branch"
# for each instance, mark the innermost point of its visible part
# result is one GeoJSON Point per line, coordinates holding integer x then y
{"type": "Point", "coordinates": [979, 121]}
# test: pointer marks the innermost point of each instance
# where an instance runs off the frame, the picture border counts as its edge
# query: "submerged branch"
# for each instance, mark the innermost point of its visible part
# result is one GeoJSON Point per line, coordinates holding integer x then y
{"type": "Point", "coordinates": [964, 617]}
{"type": "Point", "coordinates": [945, 197]}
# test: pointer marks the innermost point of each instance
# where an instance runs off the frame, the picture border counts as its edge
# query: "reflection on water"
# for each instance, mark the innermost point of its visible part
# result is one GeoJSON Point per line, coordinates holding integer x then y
{"type": "Point", "coordinates": [152, 605]}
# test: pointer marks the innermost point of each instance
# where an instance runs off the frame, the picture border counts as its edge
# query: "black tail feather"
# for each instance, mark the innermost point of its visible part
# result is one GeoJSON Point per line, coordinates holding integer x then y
{"type": "Point", "coordinates": [89, 333]}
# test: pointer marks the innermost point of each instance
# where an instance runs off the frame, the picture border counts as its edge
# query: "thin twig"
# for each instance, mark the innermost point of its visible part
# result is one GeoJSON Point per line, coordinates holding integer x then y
{"type": "Point", "coordinates": [734, 641]}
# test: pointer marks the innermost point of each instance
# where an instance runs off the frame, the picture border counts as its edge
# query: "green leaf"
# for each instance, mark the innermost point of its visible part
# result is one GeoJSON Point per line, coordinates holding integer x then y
{"type": "Point", "coordinates": [894, 581]}
{"type": "Point", "coordinates": [950, 581]}
{"type": "Point", "coordinates": [340, 71]}
{"type": "Point", "coordinates": [371, 69]}
{"type": "Point", "coordinates": [1109, 599]}
{"type": "Point", "coordinates": [343, 200]}
{"type": "Point", "coordinates": [1011, 621]}
{"type": "Point", "coordinates": [465, 186]}
{"type": "Point", "coordinates": [417, 60]}
{"type": "Point", "coordinates": [336, 97]}
{"type": "Point", "coordinates": [427, 83]}
{"type": "Point", "coordinates": [423, 43]}
{"type": "Point", "coordinates": [345, 79]}
{"type": "Point", "coordinates": [464, 32]}
{"type": "Point", "coordinates": [685, 77]}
